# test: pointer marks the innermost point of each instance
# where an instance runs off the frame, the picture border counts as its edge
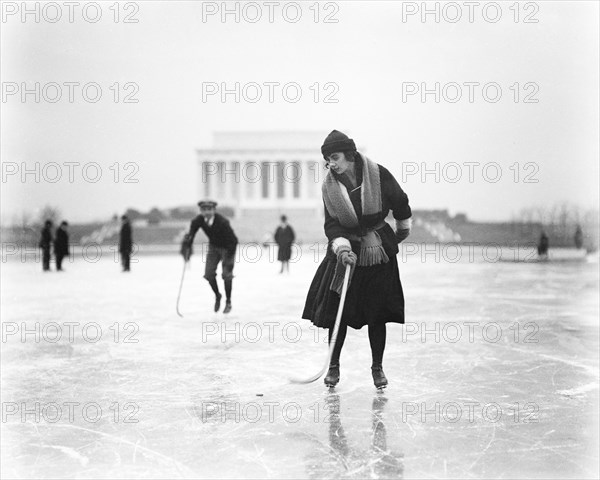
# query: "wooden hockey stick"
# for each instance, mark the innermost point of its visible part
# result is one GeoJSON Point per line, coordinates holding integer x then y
{"type": "Point", "coordinates": [338, 320]}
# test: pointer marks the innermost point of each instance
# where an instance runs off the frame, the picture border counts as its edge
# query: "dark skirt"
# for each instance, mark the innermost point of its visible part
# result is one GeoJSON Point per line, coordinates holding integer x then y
{"type": "Point", "coordinates": [374, 296]}
{"type": "Point", "coordinates": [285, 252]}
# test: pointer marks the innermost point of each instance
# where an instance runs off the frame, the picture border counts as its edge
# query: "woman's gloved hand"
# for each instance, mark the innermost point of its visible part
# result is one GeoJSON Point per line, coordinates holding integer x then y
{"type": "Point", "coordinates": [402, 235]}
{"type": "Point", "coordinates": [347, 256]}
{"type": "Point", "coordinates": [403, 229]}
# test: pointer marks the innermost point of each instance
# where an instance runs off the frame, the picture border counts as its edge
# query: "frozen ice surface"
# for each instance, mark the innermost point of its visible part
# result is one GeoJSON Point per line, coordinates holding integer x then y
{"type": "Point", "coordinates": [191, 399]}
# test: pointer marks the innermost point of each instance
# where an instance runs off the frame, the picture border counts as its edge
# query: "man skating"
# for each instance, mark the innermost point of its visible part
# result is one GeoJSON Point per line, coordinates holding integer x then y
{"type": "Point", "coordinates": [221, 248]}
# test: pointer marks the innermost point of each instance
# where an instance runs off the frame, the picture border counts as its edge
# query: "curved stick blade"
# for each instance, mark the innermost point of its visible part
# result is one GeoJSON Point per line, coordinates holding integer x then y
{"type": "Point", "coordinates": [304, 381]}
{"type": "Point", "coordinates": [338, 320]}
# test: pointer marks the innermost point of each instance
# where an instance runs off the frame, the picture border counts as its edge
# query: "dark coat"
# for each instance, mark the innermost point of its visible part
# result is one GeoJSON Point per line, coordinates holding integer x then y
{"type": "Point", "coordinates": [543, 245]}
{"type": "Point", "coordinates": [392, 198]}
{"type": "Point", "coordinates": [61, 242]}
{"type": "Point", "coordinates": [46, 239]}
{"type": "Point", "coordinates": [125, 240]}
{"type": "Point", "coordinates": [220, 234]}
{"type": "Point", "coordinates": [375, 293]}
{"type": "Point", "coordinates": [578, 238]}
{"type": "Point", "coordinates": [284, 237]}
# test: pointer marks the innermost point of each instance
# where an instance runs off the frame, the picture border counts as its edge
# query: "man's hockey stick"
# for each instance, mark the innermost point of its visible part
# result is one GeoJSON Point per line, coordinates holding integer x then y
{"type": "Point", "coordinates": [180, 288]}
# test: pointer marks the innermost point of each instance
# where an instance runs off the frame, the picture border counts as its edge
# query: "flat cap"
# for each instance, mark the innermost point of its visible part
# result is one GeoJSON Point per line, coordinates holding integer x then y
{"type": "Point", "coordinates": [207, 203]}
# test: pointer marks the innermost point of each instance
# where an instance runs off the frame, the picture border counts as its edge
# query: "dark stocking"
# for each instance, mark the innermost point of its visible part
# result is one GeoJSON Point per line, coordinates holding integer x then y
{"type": "Point", "coordinates": [228, 285]}
{"type": "Point", "coordinates": [213, 284]}
{"type": "Point", "coordinates": [377, 335]}
{"type": "Point", "coordinates": [339, 343]}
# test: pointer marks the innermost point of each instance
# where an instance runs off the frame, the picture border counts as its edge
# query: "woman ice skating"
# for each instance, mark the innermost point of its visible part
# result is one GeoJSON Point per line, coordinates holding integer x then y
{"type": "Point", "coordinates": [221, 248]}
{"type": "Point", "coordinates": [358, 195]}
{"type": "Point", "coordinates": [284, 237]}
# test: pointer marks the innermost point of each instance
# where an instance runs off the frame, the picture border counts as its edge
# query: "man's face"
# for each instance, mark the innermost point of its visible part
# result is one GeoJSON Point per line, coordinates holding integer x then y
{"type": "Point", "coordinates": [207, 212]}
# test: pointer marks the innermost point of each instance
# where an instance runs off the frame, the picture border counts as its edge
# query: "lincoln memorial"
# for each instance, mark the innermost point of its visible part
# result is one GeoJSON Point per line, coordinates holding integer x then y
{"type": "Point", "coordinates": [263, 170]}
{"type": "Point", "coordinates": [261, 175]}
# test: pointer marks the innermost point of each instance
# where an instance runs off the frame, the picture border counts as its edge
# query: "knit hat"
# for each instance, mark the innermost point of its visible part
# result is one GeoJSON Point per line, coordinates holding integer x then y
{"type": "Point", "coordinates": [336, 142]}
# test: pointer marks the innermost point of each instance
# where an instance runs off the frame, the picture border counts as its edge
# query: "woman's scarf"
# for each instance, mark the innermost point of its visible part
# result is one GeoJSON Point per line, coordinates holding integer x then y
{"type": "Point", "coordinates": [338, 204]}
{"type": "Point", "coordinates": [338, 201]}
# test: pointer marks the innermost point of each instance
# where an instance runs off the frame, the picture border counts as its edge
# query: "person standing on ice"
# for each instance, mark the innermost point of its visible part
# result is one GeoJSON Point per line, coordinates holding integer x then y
{"type": "Point", "coordinates": [61, 245]}
{"type": "Point", "coordinates": [284, 237]}
{"type": "Point", "coordinates": [222, 244]}
{"type": "Point", "coordinates": [125, 243]}
{"type": "Point", "coordinates": [543, 246]}
{"type": "Point", "coordinates": [358, 195]}
{"type": "Point", "coordinates": [578, 237]}
{"type": "Point", "coordinates": [46, 244]}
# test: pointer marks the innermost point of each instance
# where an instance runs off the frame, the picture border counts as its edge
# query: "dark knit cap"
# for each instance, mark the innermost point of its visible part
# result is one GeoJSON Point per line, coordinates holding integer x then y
{"type": "Point", "coordinates": [336, 142]}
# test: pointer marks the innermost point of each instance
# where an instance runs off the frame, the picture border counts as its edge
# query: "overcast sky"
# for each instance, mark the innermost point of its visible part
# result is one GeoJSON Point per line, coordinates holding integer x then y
{"type": "Point", "coordinates": [544, 126]}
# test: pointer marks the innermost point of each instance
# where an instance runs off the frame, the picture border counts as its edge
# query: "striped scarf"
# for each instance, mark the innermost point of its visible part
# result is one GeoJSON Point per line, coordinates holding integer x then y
{"type": "Point", "coordinates": [339, 206]}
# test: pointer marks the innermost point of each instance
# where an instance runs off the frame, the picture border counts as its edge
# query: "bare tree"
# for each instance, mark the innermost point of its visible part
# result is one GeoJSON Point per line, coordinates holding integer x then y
{"type": "Point", "coordinates": [49, 212]}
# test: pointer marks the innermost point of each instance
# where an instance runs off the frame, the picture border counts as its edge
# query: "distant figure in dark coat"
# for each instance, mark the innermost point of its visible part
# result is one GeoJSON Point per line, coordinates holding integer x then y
{"type": "Point", "coordinates": [125, 243]}
{"type": "Point", "coordinates": [284, 237]}
{"type": "Point", "coordinates": [221, 248]}
{"type": "Point", "coordinates": [543, 246]}
{"type": "Point", "coordinates": [61, 244]}
{"type": "Point", "coordinates": [46, 245]}
{"type": "Point", "coordinates": [578, 237]}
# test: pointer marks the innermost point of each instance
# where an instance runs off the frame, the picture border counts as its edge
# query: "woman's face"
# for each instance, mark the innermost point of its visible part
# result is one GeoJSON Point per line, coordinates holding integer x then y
{"type": "Point", "coordinates": [338, 163]}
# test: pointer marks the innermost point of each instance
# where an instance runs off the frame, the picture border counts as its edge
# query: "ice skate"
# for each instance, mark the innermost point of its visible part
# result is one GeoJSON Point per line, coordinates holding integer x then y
{"type": "Point", "coordinates": [227, 307]}
{"type": "Point", "coordinates": [378, 377]}
{"type": "Point", "coordinates": [333, 375]}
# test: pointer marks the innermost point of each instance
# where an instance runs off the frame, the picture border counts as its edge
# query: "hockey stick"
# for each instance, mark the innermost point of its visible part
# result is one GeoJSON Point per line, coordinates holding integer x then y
{"type": "Point", "coordinates": [180, 287]}
{"type": "Point", "coordinates": [338, 320]}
